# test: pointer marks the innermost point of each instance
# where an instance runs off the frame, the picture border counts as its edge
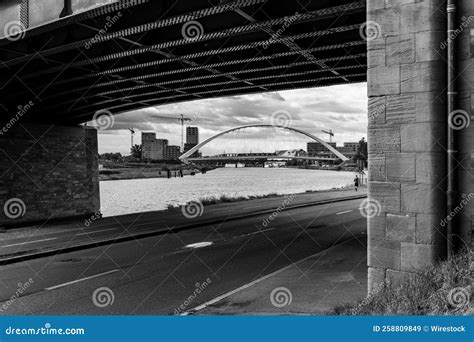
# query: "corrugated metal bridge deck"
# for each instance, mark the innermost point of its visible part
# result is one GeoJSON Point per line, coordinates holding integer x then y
{"type": "Point", "coordinates": [134, 54]}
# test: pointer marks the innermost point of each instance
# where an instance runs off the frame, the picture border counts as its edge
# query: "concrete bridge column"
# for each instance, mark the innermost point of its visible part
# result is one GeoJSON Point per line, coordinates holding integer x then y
{"type": "Point", "coordinates": [47, 172]}
{"type": "Point", "coordinates": [407, 136]}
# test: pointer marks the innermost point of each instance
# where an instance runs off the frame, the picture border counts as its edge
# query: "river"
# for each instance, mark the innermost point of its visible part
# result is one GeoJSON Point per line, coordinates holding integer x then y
{"type": "Point", "coordinates": [128, 196]}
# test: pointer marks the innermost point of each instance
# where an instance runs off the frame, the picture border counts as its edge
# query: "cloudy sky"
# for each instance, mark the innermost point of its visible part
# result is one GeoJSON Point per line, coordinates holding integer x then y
{"type": "Point", "coordinates": [340, 108]}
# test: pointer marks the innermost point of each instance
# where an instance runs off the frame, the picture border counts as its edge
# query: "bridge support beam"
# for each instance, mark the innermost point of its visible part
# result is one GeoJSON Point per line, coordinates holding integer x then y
{"type": "Point", "coordinates": [47, 172]}
{"type": "Point", "coordinates": [407, 80]}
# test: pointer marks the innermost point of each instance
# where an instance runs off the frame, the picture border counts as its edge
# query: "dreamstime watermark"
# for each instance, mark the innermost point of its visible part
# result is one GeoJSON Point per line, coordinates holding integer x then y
{"type": "Point", "coordinates": [459, 297]}
{"type": "Point", "coordinates": [281, 297]}
{"type": "Point", "coordinates": [370, 207]}
{"type": "Point", "coordinates": [281, 118]}
{"type": "Point", "coordinates": [14, 208]}
{"type": "Point", "coordinates": [375, 112]}
{"type": "Point", "coordinates": [373, 293]}
{"type": "Point", "coordinates": [288, 199]}
{"type": "Point", "coordinates": [103, 119]}
{"type": "Point", "coordinates": [14, 30]}
{"type": "Point", "coordinates": [98, 214]}
{"type": "Point", "coordinates": [465, 22]}
{"type": "Point", "coordinates": [19, 291]}
{"type": "Point", "coordinates": [46, 330]}
{"type": "Point", "coordinates": [21, 110]}
{"type": "Point", "coordinates": [370, 30]}
{"type": "Point", "coordinates": [287, 23]}
{"type": "Point", "coordinates": [192, 209]}
{"type": "Point", "coordinates": [459, 119]}
{"type": "Point", "coordinates": [192, 30]}
{"type": "Point", "coordinates": [198, 289]}
{"type": "Point", "coordinates": [109, 22]}
{"type": "Point", "coordinates": [103, 296]}
{"type": "Point", "coordinates": [465, 200]}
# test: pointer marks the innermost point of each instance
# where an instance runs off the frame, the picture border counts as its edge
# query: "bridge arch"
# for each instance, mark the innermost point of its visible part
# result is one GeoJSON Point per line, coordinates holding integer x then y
{"type": "Point", "coordinates": [188, 154]}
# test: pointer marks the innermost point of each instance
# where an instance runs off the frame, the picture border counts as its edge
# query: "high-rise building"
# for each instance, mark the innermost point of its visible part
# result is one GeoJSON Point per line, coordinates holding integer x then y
{"type": "Point", "coordinates": [192, 135]}
{"type": "Point", "coordinates": [192, 139]}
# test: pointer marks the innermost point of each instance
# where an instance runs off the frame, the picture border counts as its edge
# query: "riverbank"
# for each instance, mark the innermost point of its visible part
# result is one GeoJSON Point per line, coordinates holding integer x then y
{"type": "Point", "coordinates": [237, 198]}
{"type": "Point", "coordinates": [131, 173]}
{"type": "Point", "coordinates": [115, 171]}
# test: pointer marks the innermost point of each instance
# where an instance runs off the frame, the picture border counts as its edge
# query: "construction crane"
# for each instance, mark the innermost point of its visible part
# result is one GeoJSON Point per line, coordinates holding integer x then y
{"type": "Point", "coordinates": [132, 132]}
{"type": "Point", "coordinates": [181, 119]}
{"type": "Point", "coordinates": [330, 133]}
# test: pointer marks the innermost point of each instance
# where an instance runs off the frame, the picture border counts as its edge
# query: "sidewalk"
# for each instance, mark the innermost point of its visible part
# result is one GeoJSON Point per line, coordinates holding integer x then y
{"type": "Point", "coordinates": [312, 286]}
{"type": "Point", "coordinates": [27, 242]}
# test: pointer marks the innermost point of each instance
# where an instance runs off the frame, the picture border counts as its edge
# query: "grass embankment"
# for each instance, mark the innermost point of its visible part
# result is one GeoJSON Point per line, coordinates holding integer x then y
{"type": "Point", "coordinates": [238, 198]}
{"type": "Point", "coordinates": [226, 199]}
{"type": "Point", "coordinates": [444, 289]}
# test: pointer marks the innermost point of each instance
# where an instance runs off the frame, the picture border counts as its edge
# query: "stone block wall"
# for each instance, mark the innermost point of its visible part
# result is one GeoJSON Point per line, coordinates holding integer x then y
{"type": "Point", "coordinates": [47, 172]}
{"type": "Point", "coordinates": [407, 137]}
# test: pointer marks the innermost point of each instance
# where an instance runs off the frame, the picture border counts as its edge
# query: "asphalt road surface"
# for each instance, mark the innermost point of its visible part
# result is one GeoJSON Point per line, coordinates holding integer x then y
{"type": "Point", "coordinates": [158, 275]}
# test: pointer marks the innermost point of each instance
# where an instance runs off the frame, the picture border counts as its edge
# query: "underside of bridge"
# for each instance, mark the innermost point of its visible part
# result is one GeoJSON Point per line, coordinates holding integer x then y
{"type": "Point", "coordinates": [127, 55]}
{"type": "Point", "coordinates": [135, 54]}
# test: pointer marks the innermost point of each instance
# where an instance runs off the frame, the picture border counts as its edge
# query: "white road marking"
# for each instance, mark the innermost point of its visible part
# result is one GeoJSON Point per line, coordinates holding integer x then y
{"type": "Point", "coordinates": [24, 243]}
{"type": "Point", "coordinates": [97, 231]}
{"type": "Point", "coordinates": [344, 212]}
{"type": "Point", "coordinates": [260, 231]}
{"type": "Point", "coordinates": [79, 280]}
{"type": "Point", "coordinates": [243, 287]}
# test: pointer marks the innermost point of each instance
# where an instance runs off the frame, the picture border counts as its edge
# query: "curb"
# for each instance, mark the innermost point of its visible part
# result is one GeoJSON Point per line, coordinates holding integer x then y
{"type": "Point", "coordinates": [29, 255]}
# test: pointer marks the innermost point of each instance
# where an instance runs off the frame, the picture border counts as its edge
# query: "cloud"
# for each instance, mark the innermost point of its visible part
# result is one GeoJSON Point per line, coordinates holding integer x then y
{"type": "Point", "coordinates": [340, 108]}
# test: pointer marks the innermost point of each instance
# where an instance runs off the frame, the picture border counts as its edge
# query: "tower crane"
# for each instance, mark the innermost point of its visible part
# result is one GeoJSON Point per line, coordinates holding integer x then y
{"type": "Point", "coordinates": [330, 133]}
{"type": "Point", "coordinates": [181, 119]}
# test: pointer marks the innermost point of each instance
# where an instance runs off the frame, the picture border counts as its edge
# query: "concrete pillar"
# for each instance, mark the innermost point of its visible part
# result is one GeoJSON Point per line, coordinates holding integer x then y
{"type": "Point", "coordinates": [47, 172]}
{"type": "Point", "coordinates": [407, 137]}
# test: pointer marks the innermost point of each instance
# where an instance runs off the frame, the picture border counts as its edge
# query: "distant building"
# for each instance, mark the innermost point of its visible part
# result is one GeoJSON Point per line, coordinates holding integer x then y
{"type": "Point", "coordinates": [348, 152]}
{"type": "Point", "coordinates": [349, 149]}
{"type": "Point", "coordinates": [192, 139]}
{"type": "Point", "coordinates": [291, 153]}
{"type": "Point", "coordinates": [315, 148]}
{"type": "Point", "coordinates": [192, 135]}
{"type": "Point", "coordinates": [173, 152]}
{"type": "Point", "coordinates": [158, 149]}
{"type": "Point", "coordinates": [352, 146]}
{"type": "Point", "coordinates": [152, 148]}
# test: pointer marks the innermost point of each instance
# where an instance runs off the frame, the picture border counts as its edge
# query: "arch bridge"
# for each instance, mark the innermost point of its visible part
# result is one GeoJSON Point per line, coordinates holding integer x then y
{"type": "Point", "coordinates": [186, 156]}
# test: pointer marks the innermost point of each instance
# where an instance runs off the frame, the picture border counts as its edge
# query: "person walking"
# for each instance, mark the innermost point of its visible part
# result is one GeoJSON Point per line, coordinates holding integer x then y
{"type": "Point", "coordinates": [356, 182]}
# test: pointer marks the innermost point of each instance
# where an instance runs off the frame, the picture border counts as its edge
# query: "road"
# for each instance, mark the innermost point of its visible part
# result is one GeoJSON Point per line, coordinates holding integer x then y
{"type": "Point", "coordinates": [157, 275]}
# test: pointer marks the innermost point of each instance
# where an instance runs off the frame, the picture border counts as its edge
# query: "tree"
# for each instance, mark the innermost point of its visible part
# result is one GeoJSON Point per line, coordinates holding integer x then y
{"type": "Point", "coordinates": [361, 153]}
{"type": "Point", "coordinates": [114, 157]}
{"type": "Point", "coordinates": [136, 151]}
